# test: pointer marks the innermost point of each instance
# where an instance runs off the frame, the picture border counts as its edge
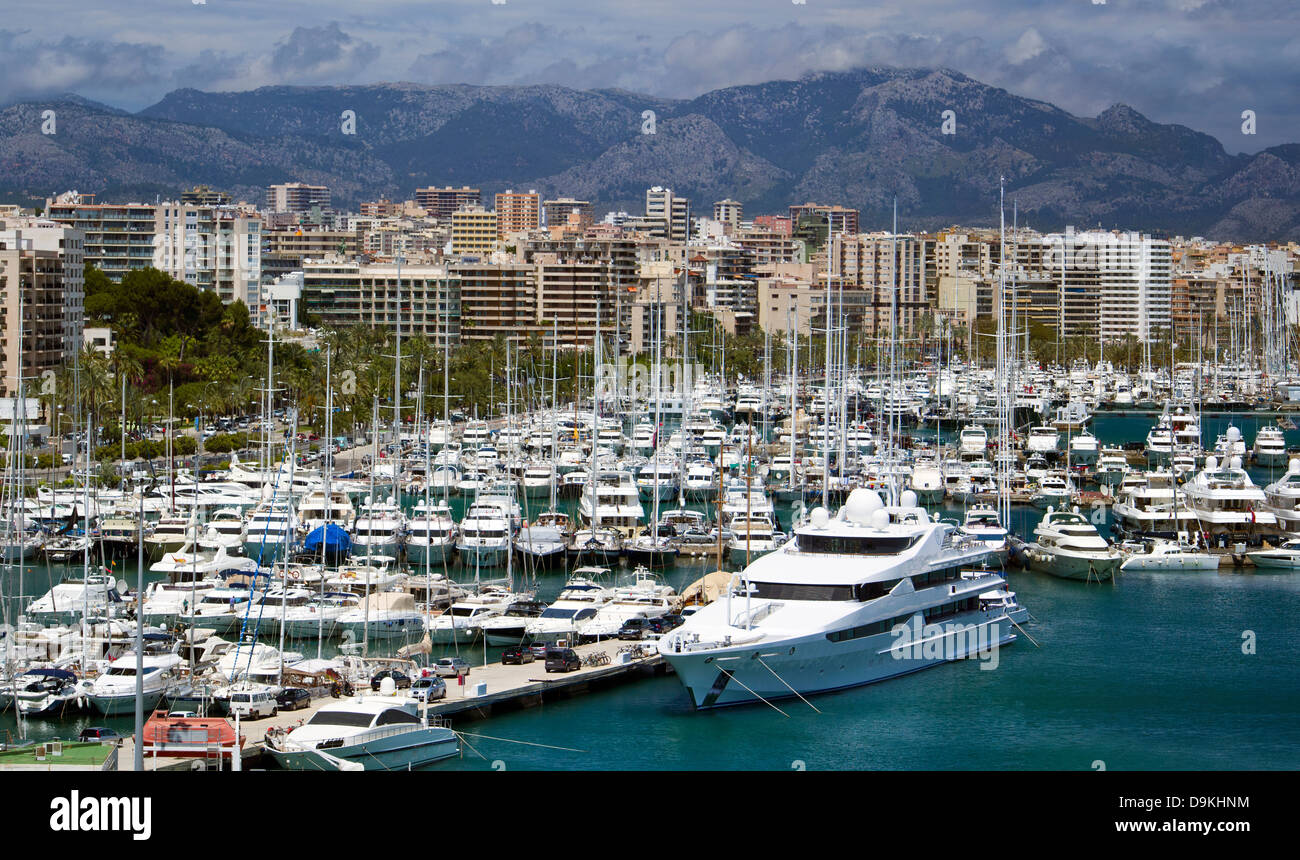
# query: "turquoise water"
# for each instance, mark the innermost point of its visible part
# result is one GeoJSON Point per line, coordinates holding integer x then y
{"type": "Point", "coordinates": [1147, 673]}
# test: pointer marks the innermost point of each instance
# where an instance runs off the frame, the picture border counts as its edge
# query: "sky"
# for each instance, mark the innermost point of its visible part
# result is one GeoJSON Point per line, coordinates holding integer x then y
{"type": "Point", "coordinates": [1200, 63]}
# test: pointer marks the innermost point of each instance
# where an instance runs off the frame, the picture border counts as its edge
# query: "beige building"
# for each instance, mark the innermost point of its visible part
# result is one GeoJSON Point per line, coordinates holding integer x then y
{"type": "Point", "coordinates": [518, 211]}
{"type": "Point", "coordinates": [440, 203]}
{"type": "Point", "coordinates": [212, 248]}
{"type": "Point", "coordinates": [41, 267]}
{"type": "Point", "coordinates": [426, 298]}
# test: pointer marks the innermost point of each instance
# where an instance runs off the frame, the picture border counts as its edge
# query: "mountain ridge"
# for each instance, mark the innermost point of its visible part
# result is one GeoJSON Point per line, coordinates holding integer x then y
{"type": "Point", "coordinates": [859, 138]}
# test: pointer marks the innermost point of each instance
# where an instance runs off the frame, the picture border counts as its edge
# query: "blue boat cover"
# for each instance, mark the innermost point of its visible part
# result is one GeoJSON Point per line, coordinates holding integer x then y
{"type": "Point", "coordinates": [333, 537]}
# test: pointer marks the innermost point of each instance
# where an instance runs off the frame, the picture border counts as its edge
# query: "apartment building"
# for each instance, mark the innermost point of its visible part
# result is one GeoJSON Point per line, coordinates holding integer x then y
{"type": "Point", "coordinates": [441, 203]}
{"type": "Point", "coordinates": [118, 238]}
{"type": "Point", "coordinates": [426, 298]}
{"type": "Point", "coordinates": [473, 231]}
{"type": "Point", "coordinates": [42, 268]}
{"type": "Point", "coordinates": [297, 197]}
{"type": "Point", "coordinates": [518, 211]}
{"type": "Point", "coordinates": [670, 210]}
{"type": "Point", "coordinates": [558, 212]}
{"type": "Point", "coordinates": [212, 248]}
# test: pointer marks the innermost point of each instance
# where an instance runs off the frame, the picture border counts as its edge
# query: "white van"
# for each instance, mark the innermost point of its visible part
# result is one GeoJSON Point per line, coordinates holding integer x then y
{"type": "Point", "coordinates": [250, 704]}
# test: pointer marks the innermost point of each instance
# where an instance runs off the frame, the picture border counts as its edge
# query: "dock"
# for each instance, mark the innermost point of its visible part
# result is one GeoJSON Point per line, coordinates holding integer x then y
{"type": "Point", "coordinates": [488, 690]}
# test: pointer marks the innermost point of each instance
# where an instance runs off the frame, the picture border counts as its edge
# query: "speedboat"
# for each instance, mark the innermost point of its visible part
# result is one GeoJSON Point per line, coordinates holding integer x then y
{"type": "Point", "coordinates": [1283, 558]}
{"type": "Point", "coordinates": [1168, 555]}
{"type": "Point", "coordinates": [366, 733]}
{"type": "Point", "coordinates": [114, 691]}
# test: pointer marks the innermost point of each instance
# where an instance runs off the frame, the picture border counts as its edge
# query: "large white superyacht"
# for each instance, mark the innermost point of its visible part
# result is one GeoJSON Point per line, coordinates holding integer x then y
{"type": "Point", "coordinates": [875, 592]}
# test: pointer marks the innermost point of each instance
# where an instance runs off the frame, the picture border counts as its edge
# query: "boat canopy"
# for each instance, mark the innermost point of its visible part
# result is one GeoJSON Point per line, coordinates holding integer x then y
{"type": "Point", "coordinates": [333, 537]}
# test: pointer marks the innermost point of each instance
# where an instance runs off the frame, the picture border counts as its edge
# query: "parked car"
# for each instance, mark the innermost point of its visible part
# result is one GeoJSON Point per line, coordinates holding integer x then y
{"type": "Point", "coordinates": [539, 650]}
{"type": "Point", "coordinates": [634, 628]}
{"type": "Point", "coordinates": [562, 660]}
{"type": "Point", "coordinates": [664, 623]}
{"type": "Point", "coordinates": [251, 704]}
{"type": "Point", "coordinates": [518, 654]}
{"type": "Point", "coordinates": [293, 698]}
{"type": "Point", "coordinates": [99, 733]}
{"type": "Point", "coordinates": [450, 667]}
{"type": "Point", "coordinates": [429, 689]}
{"type": "Point", "coordinates": [400, 678]}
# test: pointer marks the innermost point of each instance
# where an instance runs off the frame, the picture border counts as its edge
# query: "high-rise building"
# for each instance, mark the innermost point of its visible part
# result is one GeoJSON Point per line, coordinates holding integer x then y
{"type": "Point", "coordinates": [516, 211]}
{"type": "Point", "coordinates": [440, 203]}
{"type": "Point", "coordinates": [497, 300]}
{"type": "Point", "coordinates": [211, 248]}
{"type": "Point", "coordinates": [117, 237]}
{"type": "Point", "coordinates": [426, 298]}
{"type": "Point", "coordinates": [473, 231]}
{"type": "Point", "coordinates": [842, 219]}
{"type": "Point", "coordinates": [41, 266]}
{"type": "Point", "coordinates": [203, 195]}
{"type": "Point", "coordinates": [670, 209]}
{"type": "Point", "coordinates": [297, 197]}
{"type": "Point", "coordinates": [729, 212]}
{"type": "Point", "coordinates": [1112, 284]}
{"type": "Point", "coordinates": [557, 212]}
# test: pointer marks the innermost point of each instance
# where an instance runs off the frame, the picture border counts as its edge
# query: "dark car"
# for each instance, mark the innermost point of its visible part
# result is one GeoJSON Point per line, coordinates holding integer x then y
{"type": "Point", "coordinates": [562, 660]}
{"type": "Point", "coordinates": [518, 654]}
{"type": "Point", "coordinates": [664, 623]}
{"type": "Point", "coordinates": [401, 679]}
{"type": "Point", "coordinates": [634, 628]}
{"type": "Point", "coordinates": [99, 733]}
{"type": "Point", "coordinates": [539, 650]}
{"type": "Point", "coordinates": [293, 698]}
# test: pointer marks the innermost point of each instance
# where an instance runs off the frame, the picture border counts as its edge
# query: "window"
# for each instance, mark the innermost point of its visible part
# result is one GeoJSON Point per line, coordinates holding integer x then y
{"type": "Point", "coordinates": [855, 545]}
{"type": "Point", "coordinates": [396, 716]}
{"type": "Point", "coordinates": [800, 591]}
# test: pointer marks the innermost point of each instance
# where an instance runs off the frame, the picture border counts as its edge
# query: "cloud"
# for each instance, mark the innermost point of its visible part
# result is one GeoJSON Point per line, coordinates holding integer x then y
{"type": "Point", "coordinates": [1029, 45]}
{"type": "Point", "coordinates": [321, 54]}
{"type": "Point", "coordinates": [34, 68]}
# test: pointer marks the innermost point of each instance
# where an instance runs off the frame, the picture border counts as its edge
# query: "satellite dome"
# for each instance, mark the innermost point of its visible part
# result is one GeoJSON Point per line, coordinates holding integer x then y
{"type": "Point", "coordinates": [860, 505]}
{"type": "Point", "coordinates": [1211, 463]}
{"type": "Point", "coordinates": [819, 517]}
{"type": "Point", "coordinates": [1233, 433]}
{"type": "Point", "coordinates": [909, 498]}
{"type": "Point", "coordinates": [387, 686]}
{"type": "Point", "coordinates": [1236, 462]}
{"type": "Point", "coordinates": [880, 519]}
{"type": "Point", "coordinates": [1294, 466]}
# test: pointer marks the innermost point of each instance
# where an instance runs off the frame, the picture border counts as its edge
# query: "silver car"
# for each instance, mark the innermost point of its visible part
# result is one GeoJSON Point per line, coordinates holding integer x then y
{"type": "Point", "coordinates": [450, 667]}
{"type": "Point", "coordinates": [428, 689]}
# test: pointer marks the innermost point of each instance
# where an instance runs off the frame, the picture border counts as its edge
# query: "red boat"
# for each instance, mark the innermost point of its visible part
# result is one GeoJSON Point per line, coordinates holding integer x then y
{"type": "Point", "coordinates": [189, 737]}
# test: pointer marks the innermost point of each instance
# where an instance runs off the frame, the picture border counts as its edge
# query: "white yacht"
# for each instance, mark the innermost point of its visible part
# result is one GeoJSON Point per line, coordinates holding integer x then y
{"type": "Point", "coordinates": [1043, 439]}
{"type": "Point", "coordinates": [366, 733]}
{"type": "Point", "coordinates": [1066, 545]}
{"type": "Point", "coordinates": [1084, 449]}
{"type": "Point", "coordinates": [1228, 504]}
{"type": "Point", "coordinates": [461, 622]}
{"type": "Point", "coordinates": [646, 596]}
{"type": "Point", "coordinates": [973, 442]}
{"type": "Point", "coordinates": [379, 529]}
{"type": "Point", "coordinates": [876, 592]}
{"type": "Point", "coordinates": [1283, 497]}
{"type": "Point", "coordinates": [612, 501]}
{"type": "Point", "coordinates": [271, 531]}
{"type": "Point", "coordinates": [113, 692]}
{"type": "Point", "coordinates": [67, 601]}
{"type": "Point", "coordinates": [382, 615]}
{"type": "Point", "coordinates": [1270, 447]}
{"type": "Point", "coordinates": [1170, 556]}
{"type": "Point", "coordinates": [1283, 558]}
{"type": "Point", "coordinates": [430, 535]}
{"type": "Point", "coordinates": [484, 535]}
{"type": "Point", "coordinates": [752, 536]}
{"type": "Point", "coordinates": [983, 523]}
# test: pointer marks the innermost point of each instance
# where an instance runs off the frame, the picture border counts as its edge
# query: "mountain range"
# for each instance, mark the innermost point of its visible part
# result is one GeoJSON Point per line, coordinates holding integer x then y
{"type": "Point", "coordinates": [861, 138]}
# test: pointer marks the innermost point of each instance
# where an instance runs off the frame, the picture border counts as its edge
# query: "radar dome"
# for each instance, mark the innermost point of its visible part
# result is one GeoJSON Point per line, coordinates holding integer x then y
{"type": "Point", "coordinates": [1233, 433]}
{"type": "Point", "coordinates": [909, 498]}
{"type": "Point", "coordinates": [387, 686]}
{"type": "Point", "coordinates": [1211, 463]}
{"type": "Point", "coordinates": [860, 505]}
{"type": "Point", "coordinates": [819, 517]}
{"type": "Point", "coordinates": [880, 520]}
{"type": "Point", "coordinates": [1236, 462]}
{"type": "Point", "coordinates": [1294, 466]}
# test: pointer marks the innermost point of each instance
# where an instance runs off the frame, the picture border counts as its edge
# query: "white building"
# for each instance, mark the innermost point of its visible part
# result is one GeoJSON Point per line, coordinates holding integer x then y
{"type": "Point", "coordinates": [1120, 282]}
{"type": "Point", "coordinates": [213, 248]}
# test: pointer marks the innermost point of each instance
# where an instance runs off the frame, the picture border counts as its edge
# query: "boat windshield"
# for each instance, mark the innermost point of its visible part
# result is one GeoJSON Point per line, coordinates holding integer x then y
{"type": "Point", "coordinates": [856, 545]}
{"type": "Point", "coordinates": [341, 718]}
